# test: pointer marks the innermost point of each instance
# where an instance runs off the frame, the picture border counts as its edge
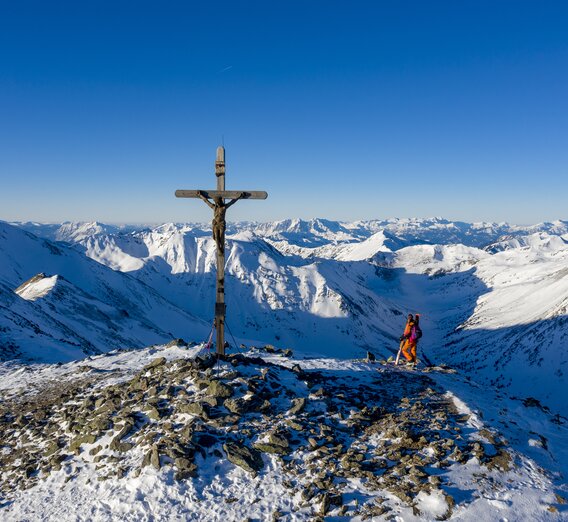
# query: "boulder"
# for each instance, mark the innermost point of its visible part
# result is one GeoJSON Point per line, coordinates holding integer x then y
{"type": "Point", "coordinates": [75, 444]}
{"type": "Point", "coordinates": [267, 447]}
{"type": "Point", "coordinates": [246, 458]}
{"type": "Point", "coordinates": [185, 466]}
{"type": "Point", "coordinates": [194, 408]}
{"type": "Point", "coordinates": [160, 361]}
{"type": "Point", "coordinates": [297, 406]}
{"type": "Point", "coordinates": [219, 389]}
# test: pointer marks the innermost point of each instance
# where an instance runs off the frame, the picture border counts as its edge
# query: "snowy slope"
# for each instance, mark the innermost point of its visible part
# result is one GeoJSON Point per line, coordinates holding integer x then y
{"type": "Point", "coordinates": [51, 294]}
{"type": "Point", "coordinates": [493, 295]}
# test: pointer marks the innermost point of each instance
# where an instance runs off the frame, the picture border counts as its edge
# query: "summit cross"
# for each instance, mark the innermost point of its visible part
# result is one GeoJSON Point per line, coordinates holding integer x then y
{"type": "Point", "coordinates": [216, 200]}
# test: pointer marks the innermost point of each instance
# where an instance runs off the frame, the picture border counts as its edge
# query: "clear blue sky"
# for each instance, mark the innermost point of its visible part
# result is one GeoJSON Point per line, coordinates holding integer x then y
{"type": "Point", "coordinates": [343, 110]}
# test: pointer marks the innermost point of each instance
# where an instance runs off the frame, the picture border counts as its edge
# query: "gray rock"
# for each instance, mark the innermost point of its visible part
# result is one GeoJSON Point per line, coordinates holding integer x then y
{"type": "Point", "coordinates": [246, 458]}
{"type": "Point", "coordinates": [219, 389]}
{"type": "Point", "coordinates": [279, 440]}
{"type": "Point", "coordinates": [81, 439]}
{"type": "Point", "coordinates": [237, 406]}
{"type": "Point", "coordinates": [325, 504]}
{"type": "Point", "coordinates": [153, 413]}
{"type": "Point", "coordinates": [194, 408]}
{"type": "Point", "coordinates": [160, 361]}
{"type": "Point", "coordinates": [185, 467]}
{"type": "Point", "coordinates": [266, 447]}
{"type": "Point", "coordinates": [152, 458]}
{"type": "Point", "coordinates": [297, 406]}
{"type": "Point", "coordinates": [294, 425]}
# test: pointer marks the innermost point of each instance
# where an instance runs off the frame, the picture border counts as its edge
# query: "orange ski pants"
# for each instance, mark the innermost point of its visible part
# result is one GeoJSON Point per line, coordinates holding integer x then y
{"type": "Point", "coordinates": [409, 350]}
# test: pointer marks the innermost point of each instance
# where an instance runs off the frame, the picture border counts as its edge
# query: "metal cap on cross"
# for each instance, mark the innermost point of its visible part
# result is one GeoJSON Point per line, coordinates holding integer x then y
{"type": "Point", "coordinates": [216, 200]}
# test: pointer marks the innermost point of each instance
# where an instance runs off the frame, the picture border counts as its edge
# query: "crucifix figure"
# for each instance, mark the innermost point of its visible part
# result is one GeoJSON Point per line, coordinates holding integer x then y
{"type": "Point", "coordinates": [216, 200]}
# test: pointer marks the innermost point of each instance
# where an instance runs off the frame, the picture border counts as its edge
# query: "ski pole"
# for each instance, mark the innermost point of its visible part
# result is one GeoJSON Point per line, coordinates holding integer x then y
{"type": "Point", "coordinates": [399, 351]}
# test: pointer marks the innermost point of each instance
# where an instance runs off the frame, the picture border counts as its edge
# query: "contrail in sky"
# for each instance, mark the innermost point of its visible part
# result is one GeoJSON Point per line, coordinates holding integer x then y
{"type": "Point", "coordinates": [225, 69]}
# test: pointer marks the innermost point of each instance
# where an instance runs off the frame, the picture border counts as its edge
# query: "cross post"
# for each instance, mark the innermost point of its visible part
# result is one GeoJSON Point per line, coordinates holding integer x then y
{"type": "Point", "coordinates": [216, 200]}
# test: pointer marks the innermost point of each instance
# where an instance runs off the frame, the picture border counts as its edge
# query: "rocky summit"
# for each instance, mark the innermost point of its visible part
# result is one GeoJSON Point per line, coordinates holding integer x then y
{"type": "Point", "coordinates": [298, 442]}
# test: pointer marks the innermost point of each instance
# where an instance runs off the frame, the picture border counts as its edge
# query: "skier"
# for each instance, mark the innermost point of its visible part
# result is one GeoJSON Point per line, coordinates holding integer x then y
{"type": "Point", "coordinates": [412, 333]}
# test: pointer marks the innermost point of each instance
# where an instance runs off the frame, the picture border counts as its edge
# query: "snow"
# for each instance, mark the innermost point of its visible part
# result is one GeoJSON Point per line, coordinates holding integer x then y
{"type": "Point", "coordinates": [494, 305]}
{"type": "Point", "coordinates": [223, 491]}
{"type": "Point", "coordinates": [342, 289]}
{"type": "Point", "coordinates": [37, 289]}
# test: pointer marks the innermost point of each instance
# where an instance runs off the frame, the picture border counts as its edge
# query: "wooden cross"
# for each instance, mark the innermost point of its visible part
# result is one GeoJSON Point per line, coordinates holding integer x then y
{"type": "Point", "coordinates": [216, 200]}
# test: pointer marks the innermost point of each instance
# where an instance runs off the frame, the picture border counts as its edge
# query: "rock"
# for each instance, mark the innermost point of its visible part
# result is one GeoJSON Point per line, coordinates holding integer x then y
{"type": "Point", "coordinates": [294, 425]}
{"type": "Point", "coordinates": [219, 389]}
{"type": "Point", "coordinates": [266, 447]}
{"type": "Point", "coordinates": [325, 504]}
{"type": "Point", "coordinates": [176, 342]}
{"type": "Point", "coordinates": [287, 352]}
{"type": "Point", "coordinates": [122, 447]}
{"type": "Point", "coordinates": [204, 439]}
{"type": "Point", "coordinates": [52, 447]}
{"type": "Point", "coordinates": [237, 406]}
{"type": "Point", "coordinates": [202, 383]}
{"type": "Point", "coordinates": [204, 363]}
{"type": "Point", "coordinates": [56, 461]}
{"type": "Point", "coordinates": [139, 383]}
{"type": "Point", "coordinates": [153, 413]}
{"type": "Point", "coordinates": [212, 401]}
{"type": "Point", "coordinates": [502, 460]}
{"type": "Point", "coordinates": [278, 440]}
{"type": "Point", "coordinates": [194, 408]}
{"type": "Point", "coordinates": [81, 439]}
{"type": "Point", "coordinates": [312, 442]}
{"type": "Point", "coordinates": [155, 457]}
{"type": "Point", "coordinates": [160, 361]}
{"type": "Point", "coordinates": [246, 458]}
{"type": "Point", "coordinates": [101, 423]}
{"type": "Point", "coordinates": [185, 465]}
{"type": "Point", "coordinates": [297, 406]}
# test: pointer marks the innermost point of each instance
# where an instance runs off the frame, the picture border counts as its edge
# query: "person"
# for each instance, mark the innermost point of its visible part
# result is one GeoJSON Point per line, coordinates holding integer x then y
{"type": "Point", "coordinates": [412, 333]}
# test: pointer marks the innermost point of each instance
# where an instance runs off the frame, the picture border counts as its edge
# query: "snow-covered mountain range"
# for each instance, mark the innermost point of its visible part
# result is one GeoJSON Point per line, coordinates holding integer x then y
{"type": "Point", "coordinates": [494, 297]}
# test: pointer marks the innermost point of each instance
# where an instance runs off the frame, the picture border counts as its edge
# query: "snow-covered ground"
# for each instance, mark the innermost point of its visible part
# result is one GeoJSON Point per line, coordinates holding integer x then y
{"type": "Point", "coordinates": [530, 485]}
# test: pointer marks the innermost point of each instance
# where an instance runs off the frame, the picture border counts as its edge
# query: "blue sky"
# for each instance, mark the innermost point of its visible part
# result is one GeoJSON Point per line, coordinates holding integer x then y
{"type": "Point", "coordinates": [343, 110]}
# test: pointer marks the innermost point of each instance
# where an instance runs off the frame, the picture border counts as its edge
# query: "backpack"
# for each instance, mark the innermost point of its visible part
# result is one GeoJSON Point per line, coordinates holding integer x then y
{"type": "Point", "coordinates": [415, 333]}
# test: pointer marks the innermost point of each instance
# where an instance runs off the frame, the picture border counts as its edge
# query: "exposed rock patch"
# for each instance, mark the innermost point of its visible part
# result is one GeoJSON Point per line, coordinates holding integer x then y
{"type": "Point", "coordinates": [393, 432]}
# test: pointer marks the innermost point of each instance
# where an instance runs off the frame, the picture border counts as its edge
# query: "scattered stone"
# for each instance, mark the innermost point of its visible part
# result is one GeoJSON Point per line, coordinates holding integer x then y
{"type": "Point", "coordinates": [297, 406]}
{"type": "Point", "coordinates": [502, 460]}
{"type": "Point", "coordinates": [246, 458]}
{"type": "Point", "coordinates": [160, 361]}
{"type": "Point", "coordinates": [219, 389]}
{"type": "Point", "coordinates": [266, 447]}
{"type": "Point", "coordinates": [199, 409]}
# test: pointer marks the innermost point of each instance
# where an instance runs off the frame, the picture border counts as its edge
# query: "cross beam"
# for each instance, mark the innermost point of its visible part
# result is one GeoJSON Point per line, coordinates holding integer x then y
{"type": "Point", "coordinates": [215, 199]}
{"type": "Point", "coordinates": [212, 194]}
